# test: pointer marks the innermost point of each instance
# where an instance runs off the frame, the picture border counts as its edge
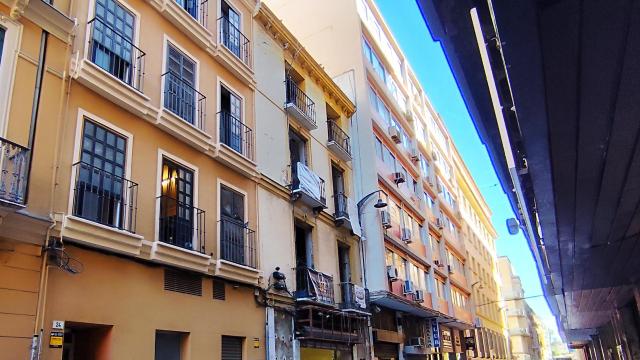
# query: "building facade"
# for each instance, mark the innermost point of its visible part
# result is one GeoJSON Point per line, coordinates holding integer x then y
{"type": "Point", "coordinates": [416, 249]}
{"type": "Point", "coordinates": [315, 298]}
{"type": "Point", "coordinates": [479, 237]}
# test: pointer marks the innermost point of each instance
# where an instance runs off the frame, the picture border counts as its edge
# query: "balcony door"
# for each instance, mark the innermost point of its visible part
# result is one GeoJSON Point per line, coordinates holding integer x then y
{"type": "Point", "coordinates": [231, 126]}
{"type": "Point", "coordinates": [340, 199]}
{"type": "Point", "coordinates": [179, 87]}
{"type": "Point", "coordinates": [231, 28]}
{"type": "Point", "coordinates": [297, 153]}
{"type": "Point", "coordinates": [176, 205]}
{"type": "Point", "coordinates": [99, 187]}
{"type": "Point", "coordinates": [112, 39]}
{"type": "Point", "coordinates": [232, 225]}
{"type": "Point", "coordinates": [190, 6]}
{"type": "Point", "coordinates": [344, 263]}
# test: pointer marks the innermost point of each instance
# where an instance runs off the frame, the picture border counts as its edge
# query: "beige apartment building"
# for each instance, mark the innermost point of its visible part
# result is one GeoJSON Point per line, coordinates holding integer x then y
{"type": "Point", "coordinates": [418, 246]}
{"type": "Point", "coordinates": [479, 237]}
{"type": "Point", "coordinates": [527, 335]}
{"type": "Point", "coordinates": [309, 231]}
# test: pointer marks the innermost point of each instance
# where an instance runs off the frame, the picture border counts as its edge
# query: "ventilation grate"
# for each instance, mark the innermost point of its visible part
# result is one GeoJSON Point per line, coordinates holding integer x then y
{"type": "Point", "coordinates": [232, 347]}
{"type": "Point", "coordinates": [182, 282]}
{"type": "Point", "coordinates": [219, 292]}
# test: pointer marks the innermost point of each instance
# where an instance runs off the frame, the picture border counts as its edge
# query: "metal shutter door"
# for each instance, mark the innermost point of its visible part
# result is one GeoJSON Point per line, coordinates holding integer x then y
{"type": "Point", "coordinates": [232, 348]}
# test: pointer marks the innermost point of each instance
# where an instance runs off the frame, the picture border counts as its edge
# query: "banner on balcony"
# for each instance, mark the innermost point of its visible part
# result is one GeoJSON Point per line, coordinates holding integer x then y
{"type": "Point", "coordinates": [310, 183]}
{"type": "Point", "coordinates": [360, 296]}
{"type": "Point", "coordinates": [321, 286]}
{"type": "Point", "coordinates": [352, 208]}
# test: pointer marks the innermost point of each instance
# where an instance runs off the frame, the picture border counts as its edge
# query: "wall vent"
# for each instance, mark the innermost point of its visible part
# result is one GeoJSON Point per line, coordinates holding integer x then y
{"type": "Point", "coordinates": [219, 292]}
{"type": "Point", "coordinates": [182, 282]}
{"type": "Point", "coordinates": [232, 347]}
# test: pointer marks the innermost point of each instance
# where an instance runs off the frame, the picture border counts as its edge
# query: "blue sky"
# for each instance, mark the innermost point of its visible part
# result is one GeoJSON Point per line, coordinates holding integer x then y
{"type": "Point", "coordinates": [430, 64]}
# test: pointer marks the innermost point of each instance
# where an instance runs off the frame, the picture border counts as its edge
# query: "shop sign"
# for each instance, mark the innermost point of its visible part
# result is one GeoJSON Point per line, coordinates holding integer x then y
{"type": "Point", "coordinates": [470, 343]}
{"type": "Point", "coordinates": [360, 296]}
{"type": "Point", "coordinates": [256, 343]}
{"type": "Point", "coordinates": [56, 339]}
{"type": "Point", "coordinates": [435, 333]}
{"type": "Point", "coordinates": [446, 340]}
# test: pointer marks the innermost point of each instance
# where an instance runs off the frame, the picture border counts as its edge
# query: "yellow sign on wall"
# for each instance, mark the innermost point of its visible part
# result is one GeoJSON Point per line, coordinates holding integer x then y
{"type": "Point", "coordinates": [56, 339]}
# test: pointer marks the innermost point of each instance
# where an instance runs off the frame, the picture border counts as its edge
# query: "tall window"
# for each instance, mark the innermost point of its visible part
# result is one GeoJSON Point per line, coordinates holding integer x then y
{"type": "Point", "coordinates": [100, 183]}
{"type": "Point", "coordinates": [231, 35]}
{"type": "Point", "coordinates": [232, 225]}
{"type": "Point", "coordinates": [176, 205]}
{"type": "Point", "coordinates": [190, 6]}
{"type": "Point", "coordinates": [2, 32]}
{"type": "Point", "coordinates": [232, 130]}
{"type": "Point", "coordinates": [112, 39]}
{"type": "Point", "coordinates": [179, 87]}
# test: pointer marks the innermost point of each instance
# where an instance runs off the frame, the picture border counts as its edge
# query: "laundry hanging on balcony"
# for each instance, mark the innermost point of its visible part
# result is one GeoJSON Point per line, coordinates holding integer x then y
{"type": "Point", "coordinates": [310, 183]}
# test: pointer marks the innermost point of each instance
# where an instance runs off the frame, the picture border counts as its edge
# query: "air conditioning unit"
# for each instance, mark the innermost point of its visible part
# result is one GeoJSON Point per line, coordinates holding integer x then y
{"type": "Point", "coordinates": [416, 341]}
{"type": "Point", "coordinates": [450, 269]}
{"type": "Point", "coordinates": [406, 235]}
{"type": "Point", "coordinates": [395, 134]}
{"type": "Point", "coordinates": [392, 273]}
{"type": "Point", "coordinates": [415, 153]}
{"type": "Point", "coordinates": [438, 263]}
{"type": "Point", "coordinates": [430, 181]}
{"type": "Point", "coordinates": [434, 155]}
{"type": "Point", "coordinates": [419, 296]}
{"type": "Point", "coordinates": [439, 188]}
{"type": "Point", "coordinates": [398, 178]}
{"type": "Point", "coordinates": [385, 218]}
{"type": "Point", "coordinates": [407, 287]}
{"type": "Point", "coordinates": [439, 224]}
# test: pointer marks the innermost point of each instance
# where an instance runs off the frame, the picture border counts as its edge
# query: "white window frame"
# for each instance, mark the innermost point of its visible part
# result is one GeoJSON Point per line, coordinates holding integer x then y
{"type": "Point", "coordinates": [166, 42]}
{"type": "Point", "coordinates": [10, 49]}
{"type": "Point", "coordinates": [244, 193]}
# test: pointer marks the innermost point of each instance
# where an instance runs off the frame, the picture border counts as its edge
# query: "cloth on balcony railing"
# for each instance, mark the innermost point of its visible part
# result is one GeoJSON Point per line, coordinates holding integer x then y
{"type": "Point", "coordinates": [309, 181]}
{"type": "Point", "coordinates": [352, 208]}
{"type": "Point", "coordinates": [360, 296]}
{"type": "Point", "coordinates": [320, 286]}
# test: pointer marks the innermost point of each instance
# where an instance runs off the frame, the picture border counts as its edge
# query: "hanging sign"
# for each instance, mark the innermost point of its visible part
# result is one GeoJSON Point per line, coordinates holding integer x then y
{"type": "Point", "coordinates": [435, 331]}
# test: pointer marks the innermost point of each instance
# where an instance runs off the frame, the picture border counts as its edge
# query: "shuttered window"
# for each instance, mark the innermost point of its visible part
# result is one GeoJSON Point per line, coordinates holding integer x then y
{"type": "Point", "coordinates": [218, 290]}
{"type": "Point", "coordinates": [232, 347]}
{"type": "Point", "coordinates": [182, 282]}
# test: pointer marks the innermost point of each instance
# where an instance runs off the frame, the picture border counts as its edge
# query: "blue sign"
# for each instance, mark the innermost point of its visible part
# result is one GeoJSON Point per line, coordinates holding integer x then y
{"type": "Point", "coordinates": [435, 331]}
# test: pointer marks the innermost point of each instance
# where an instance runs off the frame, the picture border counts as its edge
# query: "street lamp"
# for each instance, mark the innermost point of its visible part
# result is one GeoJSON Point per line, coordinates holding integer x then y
{"type": "Point", "coordinates": [378, 205]}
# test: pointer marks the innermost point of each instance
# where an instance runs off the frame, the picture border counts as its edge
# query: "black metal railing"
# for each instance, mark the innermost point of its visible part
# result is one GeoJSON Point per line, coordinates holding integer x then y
{"type": "Point", "coordinates": [314, 285]}
{"type": "Point", "coordinates": [181, 224]}
{"type": "Point", "coordinates": [14, 172]}
{"type": "Point", "coordinates": [354, 297]}
{"type": "Point", "coordinates": [298, 185]}
{"type": "Point", "coordinates": [298, 98]}
{"type": "Point", "coordinates": [104, 198]}
{"type": "Point", "coordinates": [235, 134]}
{"type": "Point", "coordinates": [338, 136]}
{"type": "Point", "coordinates": [233, 39]}
{"type": "Point", "coordinates": [237, 243]}
{"type": "Point", "coordinates": [340, 202]}
{"type": "Point", "coordinates": [198, 10]}
{"type": "Point", "coordinates": [182, 99]}
{"type": "Point", "coordinates": [116, 54]}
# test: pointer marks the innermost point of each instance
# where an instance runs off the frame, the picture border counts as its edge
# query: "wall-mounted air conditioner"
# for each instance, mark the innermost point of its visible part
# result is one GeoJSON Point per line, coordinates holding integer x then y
{"type": "Point", "coordinates": [392, 273]}
{"type": "Point", "coordinates": [419, 296]}
{"type": "Point", "coordinates": [385, 219]}
{"type": "Point", "coordinates": [406, 235]}
{"type": "Point", "coordinates": [399, 178]}
{"type": "Point", "coordinates": [395, 134]}
{"type": "Point", "coordinates": [407, 287]}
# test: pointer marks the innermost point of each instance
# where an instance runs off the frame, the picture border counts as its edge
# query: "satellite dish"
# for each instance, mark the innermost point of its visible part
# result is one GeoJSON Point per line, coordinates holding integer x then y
{"type": "Point", "coordinates": [513, 226]}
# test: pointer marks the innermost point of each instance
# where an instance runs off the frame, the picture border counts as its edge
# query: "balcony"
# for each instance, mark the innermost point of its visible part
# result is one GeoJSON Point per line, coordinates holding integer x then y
{"type": "Point", "coordinates": [308, 187]}
{"type": "Point", "coordinates": [197, 9]}
{"type": "Point", "coordinates": [14, 173]}
{"type": "Point", "coordinates": [354, 297]}
{"type": "Point", "coordinates": [519, 332]}
{"type": "Point", "coordinates": [237, 243]}
{"type": "Point", "coordinates": [300, 106]}
{"type": "Point", "coordinates": [104, 198]}
{"type": "Point", "coordinates": [341, 210]}
{"type": "Point", "coordinates": [181, 225]}
{"type": "Point", "coordinates": [315, 323]}
{"type": "Point", "coordinates": [234, 40]}
{"type": "Point", "coordinates": [116, 54]}
{"type": "Point", "coordinates": [338, 141]}
{"type": "Point", "coordinates": [183, 100]}
{"type": "Point", "coordinates": [236, 135]}
{"type": "Point", "coordinates": [314, 286]}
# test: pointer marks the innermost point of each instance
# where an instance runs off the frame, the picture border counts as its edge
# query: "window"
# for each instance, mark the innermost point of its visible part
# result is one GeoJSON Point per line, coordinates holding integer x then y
{"type": "Point", "coordinates": [179, 87]}
{"type": "Point", "coordinates": [232, 130]}
{"type": "Point", "coordinates": [100, 187]}
{"type": "Point", "coordinates": [169, 345]}
{"type": "Point", "coordinates": [2, 32]}
{"type": "Point", "coordinates": [440, 288]}
{"type": "Point", "coordinates": [232, 226]}
{"type": "Point", "coordinates": [190, 6]}
{"type": "Point", "coordinates": [176, 205]}
{"type": "Point", "coordinates": [230, 29]}
{"type": "Point", "coordinates": [232, 347]}
{"type": "Point", "coordinates": [112, 39]}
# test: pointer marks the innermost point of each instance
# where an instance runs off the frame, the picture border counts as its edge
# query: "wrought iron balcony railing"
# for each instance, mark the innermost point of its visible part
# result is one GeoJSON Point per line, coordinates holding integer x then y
{"type": "Point", "coordinates": [198, 10]}
{"type": "Point", "coordinates": [181, 224]}
{"type": "Point", "coordinates": [354, 297]}
{"type": "Point", "coordinates": [236, 135]}
{"type": "Point", "coordinates": [116, 54]}
{"type": "Point", "coordinates": [104, 198]}
{"type": "Point", "coordinates": [237, 243]}
{"type": "Point", "coordinates": [182, 99]}
{"type": "Point", "coordinates": [299, 99]}
{"type": "Point", "coordinates": [14, 172]}
{"type": "Point", "coordinates": [339, 136]}
{"type": "Point", "coordinates": [233, 39]}
{"type": "Point", "coordinates": [308, 186]}
{"type": "Point", "coordinates": [314, 286]}
{"type": "Point", "coordinates": [340, 201]}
